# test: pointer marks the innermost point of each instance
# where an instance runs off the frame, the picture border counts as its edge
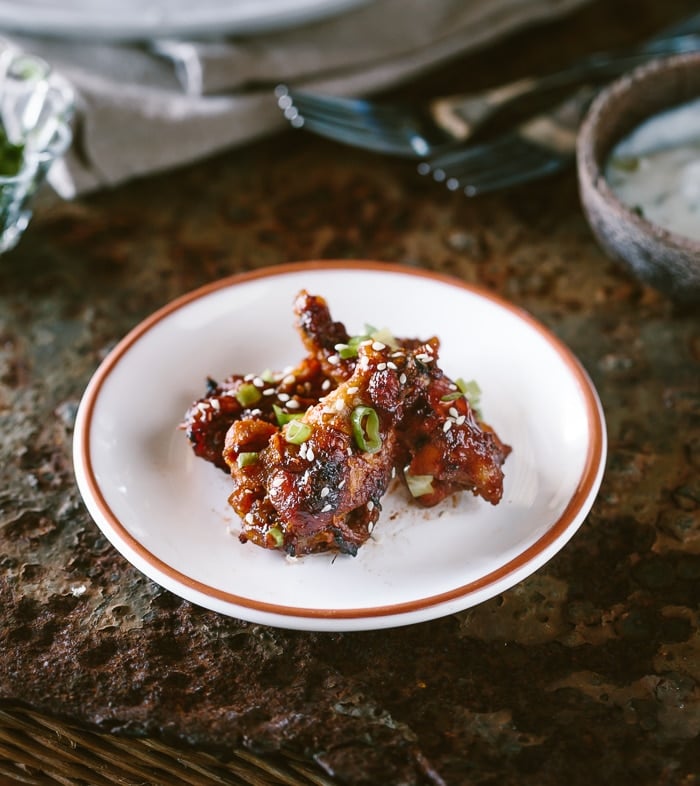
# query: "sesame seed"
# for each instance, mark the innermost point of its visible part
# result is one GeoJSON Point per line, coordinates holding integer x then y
{"type": "Point", "coordinates": [248, 518]}
{"type": "Point", "coordinates": [293, 404]}
{"type": "Point", "coordinates": [340, 347]}
{"type": "Point", "coordinates": [268, 392]}
{"type": "Point", "coordinates": [341, 484]}
{"type": "Point", "coordinates": [392, 366]}
{"type": "Point", "coordinates": [334, 359]}
{"type": "Point", "coordinates": [216, 404]}
{"type": "Point", "coordinates": [352, 390]}
{"type": "Point", "coordinates": [290, 379]}
{"type": "Point", "coordinates": [310, 455]}
{"type": "Point", "coordinates": [349, 451]}
{"type": "Point", "coordinates": [302, 450]}
{"type": "Point", "coordinates": [326, 508]}
{"type": "Point", "coordinates": [381, 366]}
{"type": "Point", "coordinates": [326, 384]}
{"type": "Point", "coordinates": [378, 346]}
{"type": "Point", "coordinates": [249, 377]}
{"type": "Point", "coordinates": [460, 420]}
{"type": "Point", "coordinates": [258, 382]}
{"type": "Point", "coordinates": [402, 379]}
{"type": "Point", "coordinates": [283, 397]}
{"type": "Point", "coordinates": [370, 505]}
{"type": "Point", "coordinates": [446, 426]}
{"type": "Point", "coordinates": [325, 491]}
{"type": "Point", "coordinates": [453, 411]}
{"type": "Point", "coordinates": [339, 405]}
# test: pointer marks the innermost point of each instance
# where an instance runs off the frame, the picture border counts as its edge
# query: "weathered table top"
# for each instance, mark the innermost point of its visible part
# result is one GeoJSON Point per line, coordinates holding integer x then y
{"type": "Point", "coordinates": [587, 672]}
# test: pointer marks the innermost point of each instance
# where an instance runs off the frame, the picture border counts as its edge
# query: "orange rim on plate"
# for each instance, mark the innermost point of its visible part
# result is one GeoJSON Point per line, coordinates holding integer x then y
{"type": "Point", "coordinates": [587, 486]}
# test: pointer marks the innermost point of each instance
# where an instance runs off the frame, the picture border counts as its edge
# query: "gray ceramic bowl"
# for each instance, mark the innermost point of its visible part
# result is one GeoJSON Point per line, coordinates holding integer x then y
{"type": "Point", "coordinates": [666, 260]}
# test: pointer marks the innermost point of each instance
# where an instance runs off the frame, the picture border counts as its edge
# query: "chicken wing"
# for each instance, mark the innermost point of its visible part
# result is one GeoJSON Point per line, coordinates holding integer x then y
{"type": "Point", "coordinates": [317, 483]}
{"type": "Point", "coordinates": [311, 450]}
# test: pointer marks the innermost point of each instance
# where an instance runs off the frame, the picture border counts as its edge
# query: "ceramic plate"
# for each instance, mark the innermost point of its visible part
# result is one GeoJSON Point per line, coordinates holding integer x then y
{"type": "Point", "coordinates": [166, 511]}
{"type": "Point", "coordinates": [136, 19]}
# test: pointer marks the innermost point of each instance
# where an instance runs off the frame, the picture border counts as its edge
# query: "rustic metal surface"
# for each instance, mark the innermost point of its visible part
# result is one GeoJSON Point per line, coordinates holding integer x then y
{"type": "Point", "coordinates": [587, 672]}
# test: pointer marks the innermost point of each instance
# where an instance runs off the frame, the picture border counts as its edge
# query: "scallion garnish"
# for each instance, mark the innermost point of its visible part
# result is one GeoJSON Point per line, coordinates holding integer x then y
{"type": "Point", "coordinates": [297, 432]}
{"type": "Point", "coordinates": [246, 459]}
{"type": "Point", "coordinates": [419, 485]}
{"type": "Point", "coordinates": [247, 394]}
{"type": "Point", "coordinates": [285, 417]}
{"type": "Point", "coordinates": [276, 534]}
{"type": "Point", "coordinates": [472, 392]}
{"type": "Point", "coordinates": [365, 429]}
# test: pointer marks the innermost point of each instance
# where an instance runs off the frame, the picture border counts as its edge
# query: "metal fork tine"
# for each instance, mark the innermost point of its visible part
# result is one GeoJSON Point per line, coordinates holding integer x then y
{"type": "Point", "coordinates": [474, 159]}
{"type": "Point", "coordinates": [366, 125]}
{"type": "Point", "coordinates": [540, 146]}
{"type": "Point", "coordinates": [355, 110]}
{"type": "Point", "coordinates": [339, 106]}
{"type": "Point", "coordinates": [355, 137]}
{"type": "Point", "coordinates": [513, 161]}
{"type": "Point", "coordinates": [514, 177]}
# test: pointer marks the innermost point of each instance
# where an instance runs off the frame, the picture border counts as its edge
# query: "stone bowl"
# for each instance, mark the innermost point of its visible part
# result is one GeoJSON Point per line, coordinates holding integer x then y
{"type": "Point", "coordinates": [668, 261]}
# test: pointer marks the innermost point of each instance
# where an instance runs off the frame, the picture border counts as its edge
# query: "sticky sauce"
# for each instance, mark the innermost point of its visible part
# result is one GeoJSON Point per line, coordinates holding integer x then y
{"type": "Point", "coordinates": [656, 170]}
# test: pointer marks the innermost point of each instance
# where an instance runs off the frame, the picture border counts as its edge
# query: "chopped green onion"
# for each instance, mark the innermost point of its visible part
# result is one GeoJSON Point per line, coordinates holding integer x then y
{"type": "Point", "coordinates": [350, 349]}
{"type": "Point", "coordinates": [246, 459]}
{"type": "Point", "coordinates": [472, 392]}
{"type": "Point", "coordinates": [385, 336]}
{"type": "Point", "coordinates": [247, 394]}
{"type": "Point", "coordinates": [365, 429]}
{"type": "Point", "coordinates": [285, 417]}
{"type": "Point", "coordinates": [297, 432]}
{"type": "Point", "coordinates": [276, 534]}
{"type": "Point", "coordinates": [419, 485]}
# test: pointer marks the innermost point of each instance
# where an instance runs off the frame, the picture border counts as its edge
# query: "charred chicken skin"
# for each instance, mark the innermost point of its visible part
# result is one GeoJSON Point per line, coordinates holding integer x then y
{"type": "Point", "coordinates": [311, 451]}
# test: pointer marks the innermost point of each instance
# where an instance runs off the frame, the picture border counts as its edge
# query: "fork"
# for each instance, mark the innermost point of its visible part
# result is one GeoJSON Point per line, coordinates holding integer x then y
{"type": "Point", "coordinates": [540, 146]}
{"type": "Point", "coordinates": [444, 123]}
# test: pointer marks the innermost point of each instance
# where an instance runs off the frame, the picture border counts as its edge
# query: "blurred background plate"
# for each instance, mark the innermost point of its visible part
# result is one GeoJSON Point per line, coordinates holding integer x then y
{"type": "Point", "coordinates": [138, 19]}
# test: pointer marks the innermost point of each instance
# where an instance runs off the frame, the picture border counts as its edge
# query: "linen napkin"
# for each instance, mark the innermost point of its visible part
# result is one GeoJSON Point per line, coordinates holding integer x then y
{"type": "Point", "coordinates": [146, 106]}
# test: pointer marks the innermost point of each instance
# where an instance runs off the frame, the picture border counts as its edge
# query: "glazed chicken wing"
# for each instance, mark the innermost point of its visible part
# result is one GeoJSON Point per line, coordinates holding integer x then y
{"type": "Point", "coordinates": [312, 450]}
{"type": "Point", "coordinates": [317, 483]}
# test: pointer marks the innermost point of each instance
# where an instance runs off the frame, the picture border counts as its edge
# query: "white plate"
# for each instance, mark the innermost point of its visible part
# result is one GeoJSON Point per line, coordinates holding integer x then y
{"type": "Point", "coordinates": [138, 19]}
{"type": "Point", "coordinates": [166, 511]}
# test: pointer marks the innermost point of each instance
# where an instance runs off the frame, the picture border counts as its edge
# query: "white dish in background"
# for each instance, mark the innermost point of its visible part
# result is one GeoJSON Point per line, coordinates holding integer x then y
{"type": "Point", "coordinates": [166, 511]}
{"type": "Point", "coordinates": [140, 19]}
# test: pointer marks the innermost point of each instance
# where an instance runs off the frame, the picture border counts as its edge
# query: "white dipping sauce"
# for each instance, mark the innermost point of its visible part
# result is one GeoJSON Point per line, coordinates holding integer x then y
{"type": "Point", "coordinates": [656, 169]}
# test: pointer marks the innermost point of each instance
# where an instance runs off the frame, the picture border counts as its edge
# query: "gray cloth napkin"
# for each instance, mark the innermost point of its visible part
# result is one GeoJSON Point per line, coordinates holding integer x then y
{"type": "Point", "coordinates": [149, 106]}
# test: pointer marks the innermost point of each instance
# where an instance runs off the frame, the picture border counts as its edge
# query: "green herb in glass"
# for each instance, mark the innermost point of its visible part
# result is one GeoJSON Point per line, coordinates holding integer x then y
{"type": "Point", "coordinates": [11, 156]}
